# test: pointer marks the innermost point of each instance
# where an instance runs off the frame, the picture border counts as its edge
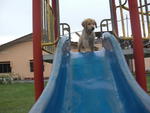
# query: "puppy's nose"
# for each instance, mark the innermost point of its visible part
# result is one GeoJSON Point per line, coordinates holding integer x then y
{"type": "Point", "coordinates": [92, 28]}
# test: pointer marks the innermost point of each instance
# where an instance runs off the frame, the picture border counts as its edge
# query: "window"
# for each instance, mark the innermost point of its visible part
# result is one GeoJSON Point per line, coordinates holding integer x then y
{"type": "Point", "coordinates": [31, 66]}
{"type": "Point", "coordinates": [5, 67]}
{"type": "Point", "coordinates": [51, 61]}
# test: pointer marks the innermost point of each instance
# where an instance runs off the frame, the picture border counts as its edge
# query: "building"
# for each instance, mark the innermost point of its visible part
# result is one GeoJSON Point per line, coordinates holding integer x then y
{"type": "Point", "coordinates": [16, 58]}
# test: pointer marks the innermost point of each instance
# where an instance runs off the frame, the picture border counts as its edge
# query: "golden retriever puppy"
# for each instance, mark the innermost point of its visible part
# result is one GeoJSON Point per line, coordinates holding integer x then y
{"type": "Point", "coordinates": [86, 40]}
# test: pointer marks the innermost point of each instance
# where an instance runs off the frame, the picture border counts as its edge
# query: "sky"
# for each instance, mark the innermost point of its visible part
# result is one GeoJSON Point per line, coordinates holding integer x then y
{"type": "Point", "coordinates": [15, 19]}
{"type": "Point", "coordinates": [16, 15]}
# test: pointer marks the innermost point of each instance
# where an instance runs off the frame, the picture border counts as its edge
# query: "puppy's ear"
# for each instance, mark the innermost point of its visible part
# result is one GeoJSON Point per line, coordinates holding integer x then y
{"type": "Point", "coordinates": [95, 23]}
{"type": "Point", "coordinates": [84, 24]}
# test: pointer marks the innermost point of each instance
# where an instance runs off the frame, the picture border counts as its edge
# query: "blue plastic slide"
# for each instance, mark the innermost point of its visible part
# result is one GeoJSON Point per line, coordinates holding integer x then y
{"type": "Point", "coordinates": [92, 82]}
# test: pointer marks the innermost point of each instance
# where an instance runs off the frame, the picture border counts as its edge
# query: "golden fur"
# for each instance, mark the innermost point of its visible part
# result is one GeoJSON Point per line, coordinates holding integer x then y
{"type": "Point", "coordinates": [86, 40]}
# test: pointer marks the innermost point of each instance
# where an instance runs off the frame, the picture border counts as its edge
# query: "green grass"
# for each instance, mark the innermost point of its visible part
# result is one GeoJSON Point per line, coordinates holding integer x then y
{"type": "Point", "coordinates": [19, 97]}
{"type": "Point", "coordinates": [16, 98]}
{"type": "Point", "coordinates": [148, 82]}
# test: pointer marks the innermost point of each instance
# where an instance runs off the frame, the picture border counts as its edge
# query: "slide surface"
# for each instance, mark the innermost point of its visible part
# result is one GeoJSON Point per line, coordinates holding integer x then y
{"type": "Point", "coordinates": [92, 82]}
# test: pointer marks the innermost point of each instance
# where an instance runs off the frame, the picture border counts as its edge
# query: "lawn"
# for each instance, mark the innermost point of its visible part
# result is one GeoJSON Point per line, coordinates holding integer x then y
{"type": "Point", "coordinates": [16, 98]}
{"type": "Point", "coordinates": [148, 82]}
{"type": "Point", "coordinates": [19, 97]}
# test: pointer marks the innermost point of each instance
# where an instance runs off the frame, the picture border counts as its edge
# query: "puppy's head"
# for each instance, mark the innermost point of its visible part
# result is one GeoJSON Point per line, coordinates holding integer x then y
{"type": "Point", "coordinates": [89, 24]}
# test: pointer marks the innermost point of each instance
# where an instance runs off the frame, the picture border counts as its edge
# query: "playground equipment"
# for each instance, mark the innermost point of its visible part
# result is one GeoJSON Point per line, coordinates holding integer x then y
{"type": "Point", "coordinates": [66, 81]}
{"type": "Point", "coordinates": [102, 84]}
{"type": "Point", "coordinates": [45, 31]}
{"type": "Point", "coordinates": [121, 18]}
{"type": "Point", "coordinates": [137, 37]}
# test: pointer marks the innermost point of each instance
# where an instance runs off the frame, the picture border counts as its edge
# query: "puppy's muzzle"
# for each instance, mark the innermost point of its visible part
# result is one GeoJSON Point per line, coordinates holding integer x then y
{"type": "Point", "coordinates": [92, 28]}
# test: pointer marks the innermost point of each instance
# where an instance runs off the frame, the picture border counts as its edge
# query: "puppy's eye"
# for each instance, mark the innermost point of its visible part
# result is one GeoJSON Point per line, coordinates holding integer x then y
{"type": "Point", "coordinates": [89, 23]}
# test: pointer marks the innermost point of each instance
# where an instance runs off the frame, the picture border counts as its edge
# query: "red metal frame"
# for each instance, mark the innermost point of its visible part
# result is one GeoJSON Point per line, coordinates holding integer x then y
{"type": "Point", "coordinates": [37, 50]}
{"type": "Point", "coordinates": [114, 16]}
{"type": "Point", "coordinates": [56, 24]}
{"type": "Point", "coordinates": [138, 44]}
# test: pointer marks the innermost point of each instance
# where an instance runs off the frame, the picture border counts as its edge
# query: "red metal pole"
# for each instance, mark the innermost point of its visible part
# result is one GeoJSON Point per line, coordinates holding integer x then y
{"type": "Point", "coordinates": [56, 24]}
{"type": "Point", "coordinates": [138, 44]}
{"type": "Point", "coordinates": [37, 51]}
{"type": "Point", "coordinates": [114, 16]}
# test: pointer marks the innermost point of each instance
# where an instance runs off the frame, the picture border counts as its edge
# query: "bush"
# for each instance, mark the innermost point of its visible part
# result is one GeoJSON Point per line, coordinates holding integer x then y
{"type": "Point", "coordinates": [148, 70]}
{"type": "Point", "coordinates": [6, 79]}
{"type": "Point", "coordinates": [15, 76]}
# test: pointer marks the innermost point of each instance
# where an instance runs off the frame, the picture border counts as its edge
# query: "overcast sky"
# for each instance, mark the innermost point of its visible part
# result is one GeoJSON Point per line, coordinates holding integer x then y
{"type": "Point", "coordinates": [16, 15]}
